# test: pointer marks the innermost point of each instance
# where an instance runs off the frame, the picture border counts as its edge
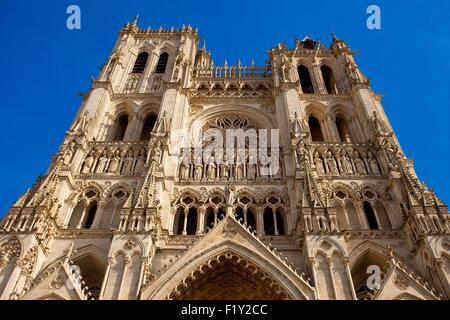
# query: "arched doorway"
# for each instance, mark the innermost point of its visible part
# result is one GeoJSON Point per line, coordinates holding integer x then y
{"type": "Point", "coordinates": [229, 276]}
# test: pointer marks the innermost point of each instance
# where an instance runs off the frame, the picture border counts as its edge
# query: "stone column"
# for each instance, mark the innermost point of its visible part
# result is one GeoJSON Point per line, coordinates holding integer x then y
{"type": "Point", "coordinates": [442, 274]}
{"type": "Point", "coordinates": [126, 265]}
{"type": "Point", "coordinates": [312, 262]}
{"type": "Point", "coordinates": [80, 223]}
{"type": "Point", "coordinates": [106, 126]}
{"type": "Point", "coordinates": [131, 133]}
{"type": "Point", "coordinates": [259, 221]}
{"type": "Point", "coordinates": [318, 80]}
{"type": "Point", "coordinates": [350, 279]}
{"type": "Point", "coordinates": [275, 222]}
{"type": "Point", "coordinates": [330, 270]}
{"type": "Point", "coordinates": [201, 221]}
{"type": "Point", "coordinates": [185, 223]}
{"type": "Point", "coordinates": [333, 134]}
{"type": "Point", "coordinates": [111, 262]}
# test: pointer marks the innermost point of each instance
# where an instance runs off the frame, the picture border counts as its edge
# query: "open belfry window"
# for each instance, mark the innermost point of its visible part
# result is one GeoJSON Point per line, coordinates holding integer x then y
{"type": "Point", "coordinates": [162, 63]}
{"type": "Point", "coordinates": [141, 62]}
{"type": "Point", "coordinates": [305, 80]}
{"type": "Point", "coordinates": [315, 129]}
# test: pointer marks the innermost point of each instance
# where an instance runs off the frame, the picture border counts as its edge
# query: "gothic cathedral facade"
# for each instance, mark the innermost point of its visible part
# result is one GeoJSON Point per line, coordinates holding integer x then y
{"type": "Point", "coordinates": [314, 199]}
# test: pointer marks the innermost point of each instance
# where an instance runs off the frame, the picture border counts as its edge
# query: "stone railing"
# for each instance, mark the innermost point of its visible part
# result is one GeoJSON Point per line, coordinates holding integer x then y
{"type": "Point", "coordinates": [115, 158]}
{"type": "Point", "coordinates": [344, 159]}
{"type": "Point", "coordinates": [234, 72]}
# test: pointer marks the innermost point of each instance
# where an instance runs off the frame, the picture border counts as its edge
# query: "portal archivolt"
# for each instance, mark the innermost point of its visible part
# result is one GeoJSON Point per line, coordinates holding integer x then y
{"type": "Point", "coordinates": [229, 276]}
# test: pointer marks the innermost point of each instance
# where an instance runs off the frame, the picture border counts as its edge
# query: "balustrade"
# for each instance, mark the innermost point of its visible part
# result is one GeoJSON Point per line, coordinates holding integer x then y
{"type": "Point", "coordinates": [234, 72]}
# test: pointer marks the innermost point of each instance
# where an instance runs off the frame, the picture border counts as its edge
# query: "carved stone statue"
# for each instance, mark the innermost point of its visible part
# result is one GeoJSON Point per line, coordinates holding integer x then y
{"type": "Point", "coordinates": [286, 65]}
{"type": "Point", "coordinates": [114, 163]}
{"type": "Point", "coordinates": [229, 194]}
{"type": "Point", "coordinates": [184, 169]}
{"type": "Point", "coordinates": [359, 163]}
{"type": "Point", "coordinates": [332, 165]}
{"type": "Point", "coordinates": [128, 163]}
{"type": "Point", "coordinates": [373, 164]}
{"type": "Point", "coordinates": [102, 161]}
{"type": "Point", "coordinates": [87, 164]}
{"type": "Point", "coordinates": [68, 152]}
{"type": "Point", "coordinates": [391, 153]}
{"type": "Point", "coordinates": [140, 161]}
{"type": "Point", "coordinates": [319, 163]}
{"type": "Point", "coordinates": [225, 170]}
{"type": "Point", "coordinates": [239, 172]}
{"type": "Point", "coordinates": [211, 173]}
{"type": "Point", "coordinates": [347, 164]}
{"type": "Point", "coordinates": [198, 170]}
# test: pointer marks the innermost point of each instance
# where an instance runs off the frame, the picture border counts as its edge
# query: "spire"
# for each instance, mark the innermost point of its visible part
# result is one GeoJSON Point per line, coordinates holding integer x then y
{"type": "Point", "coordinates": [135, 21]}
{"type": "Point", "coordinates": [333, 36]}
{"type": "Point", "coordinates": [162, 125]}
{"type": "Point", "coordinates": [337, 42]}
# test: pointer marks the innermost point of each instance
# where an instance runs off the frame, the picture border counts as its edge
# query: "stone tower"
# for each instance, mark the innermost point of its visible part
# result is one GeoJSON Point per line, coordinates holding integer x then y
{"type": "Point", "coordinates": [180, 179]}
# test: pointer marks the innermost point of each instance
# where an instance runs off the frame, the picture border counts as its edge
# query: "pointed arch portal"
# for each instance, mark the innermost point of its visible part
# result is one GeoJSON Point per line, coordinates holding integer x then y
{"type": "Point", "coordinates": [229, 277]}
{"type": "Point", "coordinates": [229, 263]}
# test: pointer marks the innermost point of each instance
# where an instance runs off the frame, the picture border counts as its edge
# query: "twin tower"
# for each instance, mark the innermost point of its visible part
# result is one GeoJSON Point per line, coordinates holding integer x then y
{"type": "Point", "coordinates": [182, 179]}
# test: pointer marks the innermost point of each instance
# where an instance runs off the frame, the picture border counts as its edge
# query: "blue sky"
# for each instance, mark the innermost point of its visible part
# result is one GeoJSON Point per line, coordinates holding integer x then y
{"type": "Point", "coordinates": [45, 65]}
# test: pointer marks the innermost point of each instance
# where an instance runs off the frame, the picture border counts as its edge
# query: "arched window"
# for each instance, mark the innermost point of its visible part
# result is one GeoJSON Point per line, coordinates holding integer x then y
{"type": "Point", "coordinates": [359, 273]}
{"type": "Point", "coordinates": [352, 215]}
{"type": "Point", "coordinates": [149, 123]}
{"type": "Point", "coordinates": [383, 216]}
{"type": "Point", "coordinates": [110, 214]}
{"type": "Point", "coordinates": [120, 125]}
{"type": "Point", "coordinates": [221, 213]}
{"type": "Point", "coordinates": [191, 227]}
{"type": "Point", "coordinates": [315, 129]}
{"type": "Point", "coordinates": [141, 62]}
{"type": "Point", "coordinates": [210, 219]}
{"type": "Point", "coordinates": [342, 127]}
{"type": "Point", "coordinates": [328, 79]}
{"type": "Point", "coordinates": [90, 214]}
{"type": "Point", "coordinates": [305, 80]}
{"type": "Point", "coordinates": [178, 225]}
{"type": "Point", "coordinates": [251, 220]}
{"type": "Point", "coordinates": [280, 222]}
{"type": "Point", "coordinates": [162, 63]}
{"type": "Point", "coordinates": [239, 214]}
{"type": "Point", "coordinates": [76, 214]}
{"type": "Point", "coordinates": [269, 226]}
{"type": "Point", "coordinates": [370, 216]}
{"type": "Point", "coordinates": [92, 269]}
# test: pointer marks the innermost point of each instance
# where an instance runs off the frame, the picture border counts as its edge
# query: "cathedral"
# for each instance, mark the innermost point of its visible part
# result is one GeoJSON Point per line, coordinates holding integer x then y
{"type": "Point", "coordinates": [183, 179]}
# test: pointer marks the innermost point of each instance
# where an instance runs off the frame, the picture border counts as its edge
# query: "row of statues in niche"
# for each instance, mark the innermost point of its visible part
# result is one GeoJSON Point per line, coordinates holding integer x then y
{"type": "Point", "coordinates": [346, 164]}
{"type": "Point", "coordinates": [211, 169]}
{"type": "Point", "coordinates": [127, 162]}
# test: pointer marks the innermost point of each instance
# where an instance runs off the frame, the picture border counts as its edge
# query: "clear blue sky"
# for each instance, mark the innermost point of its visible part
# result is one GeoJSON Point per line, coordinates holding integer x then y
{"type": "Point", "coordinates": [44, 65]}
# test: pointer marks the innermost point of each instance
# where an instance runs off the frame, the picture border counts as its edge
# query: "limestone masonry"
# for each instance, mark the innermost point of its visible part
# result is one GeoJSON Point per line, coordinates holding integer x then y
{"type": "Point", "coordinates": [143, 200]}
